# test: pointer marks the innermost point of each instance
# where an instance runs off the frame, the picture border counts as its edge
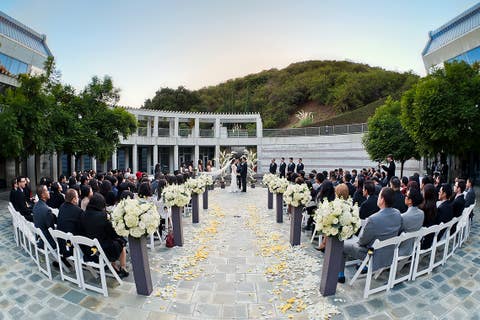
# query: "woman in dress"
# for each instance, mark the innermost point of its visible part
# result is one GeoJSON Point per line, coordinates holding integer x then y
{"type": "Point", "coordinates": [233, 184]}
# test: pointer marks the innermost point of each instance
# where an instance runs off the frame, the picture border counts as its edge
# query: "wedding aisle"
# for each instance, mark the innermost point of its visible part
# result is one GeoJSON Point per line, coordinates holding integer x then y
{"type": "Point", "coordinates": [237, 263]}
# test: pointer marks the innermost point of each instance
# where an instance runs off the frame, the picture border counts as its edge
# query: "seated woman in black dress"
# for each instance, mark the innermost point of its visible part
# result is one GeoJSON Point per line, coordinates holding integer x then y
{"type": "Point", "coordinates": [96, 225]}
{"type": "Point", "coordinates": [56, 196]}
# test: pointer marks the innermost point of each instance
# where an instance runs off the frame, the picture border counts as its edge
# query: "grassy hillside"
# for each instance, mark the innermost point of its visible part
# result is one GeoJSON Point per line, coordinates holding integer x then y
{"type": "Point", "coordinates": [359, 115]}
{"type": "Point", "coordinates": [335, 87]}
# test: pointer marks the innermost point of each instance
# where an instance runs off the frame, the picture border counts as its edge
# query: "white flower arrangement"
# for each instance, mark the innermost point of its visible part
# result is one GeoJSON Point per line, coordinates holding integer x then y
{"type": "Point", "coordinates": [196, 186]}
{"type": "Point", "coordinates": [338, 218]}
{"type": "Point", "coordinates": [136, 218]}
{"type": "Point", "coordinates": [207, 179]}
{"type": "Point", "coordinates": [176, 195]}
{"type": "Point", "coordinates": [297, 195]}
{"type": "Point", "coordinates": [267, 178]}
{"type": "Point", "coordinates": [278, 185]}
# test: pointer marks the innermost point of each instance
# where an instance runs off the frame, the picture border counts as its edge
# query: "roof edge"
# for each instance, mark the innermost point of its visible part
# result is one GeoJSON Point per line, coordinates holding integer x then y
{"type": "Point", "coordinates": [456, 19]}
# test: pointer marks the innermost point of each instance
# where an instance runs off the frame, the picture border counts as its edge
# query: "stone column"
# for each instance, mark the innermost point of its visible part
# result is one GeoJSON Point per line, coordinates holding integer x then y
{"type": "Point", "coordinates": [155, 126]}
{"type": "Point", "coordinates": [149, 127]}
{"type": "Point", "coordinates": [149, 159]}
{"type": "Point", "coordinates": [72, 164]}
{"type": "Point", "coordinates": [196, 128]}
{"type": "Point", "coordinates": [55, 166]}
{"type": "Point", "coordinates": [94, 163]}
{"type": "Point", "coordinates": [135, 159]}
{"type": "Point", "coordinates": [196, 155]}
{"type": "Point", "coordinates": [175, 127]}
{"type": "Point", "coordinates": [127, 158]}
{"type": "Point", "coordinates": [175, 157]}
{"type": "Point", "coordinates": [217, 156]}
{"type": "Point", "coordinates": [155, 155]}
{"type": "Point", "coordinates": [114, 160]}
{"type": "Point", "coordinates": [217, 128]}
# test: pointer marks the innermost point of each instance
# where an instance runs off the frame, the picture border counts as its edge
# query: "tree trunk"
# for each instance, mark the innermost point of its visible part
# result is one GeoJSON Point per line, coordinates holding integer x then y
{"type": "Point", "coordinates": [37, 169]}
{"type": "Point", "coordinates": [402, 163]}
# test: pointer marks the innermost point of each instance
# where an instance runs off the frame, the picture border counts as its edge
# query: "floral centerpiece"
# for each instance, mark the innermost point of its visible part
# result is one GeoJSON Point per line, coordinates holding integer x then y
{"type": "Point", "coordinates": [338, 218]}
{"type": "Point", "coordinates": [297, 195]}
{"type": "Point", "coordinates": [206, 178]}
{"type": "Point", "coordinates": [267, 178]}
{"type": "Point", "coordinates": [196, 186]}
{"type": "Point", "coordinates": [278, 185]}
{"type": "Point", "coordinates": [135, 218]}
{"type": "Point", "coordinates": [176, 195]}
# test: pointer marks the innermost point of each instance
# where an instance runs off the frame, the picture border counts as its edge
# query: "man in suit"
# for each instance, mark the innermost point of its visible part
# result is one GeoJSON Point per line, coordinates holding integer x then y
{"type": "Point", "coordinates": [20, 201]}
{"type": "Point", "coordinates": [273, 167]}
{"type": "Point", "coordinates": [291, 165]}
{"type": "Point", "coordinates": [412, 219]}
{"type": "Point", "coordinates": [283, 167]}
{"type": "Point", "coordinates": [383, 225]}
{"type": "Point", "coordinates": [444, 206]}
{"type": "Point", "coordinates": [369, 206]}
{"type": "Point", "coordinates": [458, 203]}
{"type": "Point", "coordinates": [399, 197]}
{"type": "Point", "coordinates": [390, 170]}
{"type": "Point", "coordinates": [300, 166]}
{"type": "Point", "coordinates": [43, 217]}
{"type": "Point", "coordinates": [243, 174]}
{"type": "Point", "coordinates": [470, 194]}
{"type": "Point", "coordinates": [347, 180]}
{"type": "Point", "coordinates": [69, 216]}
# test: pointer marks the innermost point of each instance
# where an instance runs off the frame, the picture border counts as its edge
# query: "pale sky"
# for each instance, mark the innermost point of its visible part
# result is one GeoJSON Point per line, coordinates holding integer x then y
{"type": "Point", "coordinates": [146, 45]}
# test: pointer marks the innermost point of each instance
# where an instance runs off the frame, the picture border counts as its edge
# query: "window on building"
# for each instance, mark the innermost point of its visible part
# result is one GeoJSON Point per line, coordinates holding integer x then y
{"type": "Point", "coordinates": [12, 66]}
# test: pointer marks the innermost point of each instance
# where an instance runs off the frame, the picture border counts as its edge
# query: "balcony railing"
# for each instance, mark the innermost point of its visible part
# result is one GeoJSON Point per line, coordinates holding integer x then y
{"type": "Point", "coordinates": [142, 131]}
{"type": "Point", "coordinates": [184, 132]}
{"type": "Point", "coordinates": [317, 131]}
{"type": "Point", "coordinates": [163, 132]}
{"type": "Point", "coordinates": [241, 133]}
{"type": "Point", "coordinates": [207, 133]}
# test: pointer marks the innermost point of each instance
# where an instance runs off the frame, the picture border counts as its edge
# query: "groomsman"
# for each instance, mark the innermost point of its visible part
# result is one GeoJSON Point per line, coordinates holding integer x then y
{"type": "Point", "coordinates": [283, 166]}
{"type": "Point", "coordinates": [243, 174]}
{"type": "Point", "coordinates": [300, 165]}
{"type": "Point", "coordinates": [273, 167]}
{"type": "Point", "coordinates": [291, 165]}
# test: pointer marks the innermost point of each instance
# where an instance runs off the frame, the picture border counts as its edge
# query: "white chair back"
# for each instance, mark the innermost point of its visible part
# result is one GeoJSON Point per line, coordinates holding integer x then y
{"type": "Point", "coordinates": [65, 239]}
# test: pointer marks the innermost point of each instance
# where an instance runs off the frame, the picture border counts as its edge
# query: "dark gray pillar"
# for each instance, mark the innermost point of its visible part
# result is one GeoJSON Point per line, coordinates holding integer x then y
{"type": "Point", "coordinates": [195, 215]}
{"type": "Point", "coordinates": [332, 265]}
{"type": "Point", "coordinates": [205, 199]}
{"type": "Point", "coordinates": [296, 226]}
{"type": "Point", "coordinates": [177, 226]}
{"type": "Point", "coordinates": [279, 207]}
{"type": "Point", "coordinates": [141, 267]}
{"type": "Point", "coordinates": [270, 200]}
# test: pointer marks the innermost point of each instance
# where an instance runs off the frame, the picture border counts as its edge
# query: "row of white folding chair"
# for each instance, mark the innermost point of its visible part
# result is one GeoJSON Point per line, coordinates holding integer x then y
{"type": "Point", "coordinates": [414, 258]}
{"type": "Point", "coordinates": [74, 243]}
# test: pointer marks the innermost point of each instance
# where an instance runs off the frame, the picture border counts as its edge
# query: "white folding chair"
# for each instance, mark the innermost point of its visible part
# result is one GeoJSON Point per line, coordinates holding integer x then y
{"type": "Point", "coordinates": [420, 253]}
{"type": "Point", "coordinates": [14, 223]}
{"type": "Point", "coordinates": [442, 243]}
{"type": "Point", "coordinates": [154, 235]}
{"type": "Point", "coordinates": [30, 240]}
{"type": "Point", "coordinates": [368, 262]}
{"type": "Point", "coordinates": [67, 242]}
{"type": "Point", "coordinates": [465, 232]}
{"type": "Point", "coordinates": [99, 267]}
{"type": "Point", "coordinates": [405, 254]}
{"type": "Point", "coordinates": [47, 251]}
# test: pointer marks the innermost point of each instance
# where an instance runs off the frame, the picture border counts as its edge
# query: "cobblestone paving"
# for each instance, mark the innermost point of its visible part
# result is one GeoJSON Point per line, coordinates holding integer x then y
{"type": "Point", "coordinates": [227, 278]}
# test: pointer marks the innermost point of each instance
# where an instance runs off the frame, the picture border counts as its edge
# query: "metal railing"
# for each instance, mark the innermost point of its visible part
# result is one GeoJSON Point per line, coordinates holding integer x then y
{"type": "Point", "coordinates": [317, 131]}
{"type": "Point", "coordinates": [142, 131]}
{"type": "Point", "coordinates": [241, 134]}
{"type": "Point", "coordinates": [163, 132]}
{"type": "Point", "coordinates": [207, 133]}
{"type": "Point", "coordinates": [185, 132]}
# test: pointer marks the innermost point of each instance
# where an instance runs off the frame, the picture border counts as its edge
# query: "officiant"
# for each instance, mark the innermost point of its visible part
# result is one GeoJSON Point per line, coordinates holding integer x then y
{"type": "Point", "coordinates": [242, 170]}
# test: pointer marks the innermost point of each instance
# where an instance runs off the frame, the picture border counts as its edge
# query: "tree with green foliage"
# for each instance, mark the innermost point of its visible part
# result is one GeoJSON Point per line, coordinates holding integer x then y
{"type": "Point", "coordinates": [387, 136]}
{"type": "Point", "coordinates": [441, 112]}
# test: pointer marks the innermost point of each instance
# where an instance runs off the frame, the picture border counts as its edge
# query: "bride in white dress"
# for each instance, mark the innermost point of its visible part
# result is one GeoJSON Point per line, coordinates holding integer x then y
{"type": "Point", "coordinates": [233, 185]}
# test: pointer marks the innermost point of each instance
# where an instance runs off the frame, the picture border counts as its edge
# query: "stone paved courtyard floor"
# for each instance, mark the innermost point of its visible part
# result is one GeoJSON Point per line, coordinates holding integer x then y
{"type": "Point", "coordinates": [236, 265]}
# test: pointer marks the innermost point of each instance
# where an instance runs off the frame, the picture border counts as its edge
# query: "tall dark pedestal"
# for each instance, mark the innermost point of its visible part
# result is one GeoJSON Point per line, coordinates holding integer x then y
{"type": "Point", "coordinates": [270, 200]}
{"type": "Point", "coordinates": [177, 226]}
{"type": "Point", "coordinates": [195, 215]}
{"type": "Point", "coordinates": [279, 207]}
{"type": "Point", "coordinates": [332, 264]}
{"type": "Point", "coordinates": [141, 268]}
{"type": "Point", "coordinates": [205, 199]}
{"type": "Point", "coordinates": [296, 226]}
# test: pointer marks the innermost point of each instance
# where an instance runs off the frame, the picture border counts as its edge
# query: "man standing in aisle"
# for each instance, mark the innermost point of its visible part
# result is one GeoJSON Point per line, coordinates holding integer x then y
{"type": "Point", "coordinates": [283, 167]}
{"type": "Point", "coordinates": [273, 167]}
{"type": "Point", "coordinates": [390, 170]}
{"type": "Point", "coordinates": [243, 174]}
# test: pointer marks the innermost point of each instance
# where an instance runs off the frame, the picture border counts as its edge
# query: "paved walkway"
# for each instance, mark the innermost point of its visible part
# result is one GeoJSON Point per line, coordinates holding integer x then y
{"type": "Point", "coordinates": [237, 264]}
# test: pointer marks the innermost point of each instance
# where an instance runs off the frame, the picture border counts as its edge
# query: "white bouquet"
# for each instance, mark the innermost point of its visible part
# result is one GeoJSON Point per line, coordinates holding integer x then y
{"type": "Point", "coordinates": [196, 186]}
{"type": "Point", "coordinates": [268, 178]}
{"type": "Point", "coordinates": [338, 218]}
{"type": "Point", "coordinates": [297, 195]}
{"type": "Point", "coordinates": [176, 195]}
{"type": "Point", "coordinates": [206, 178]}
{"type": "Point", "coordinates": [278, 185]}
{"type": "Point", "coordinates": [136, 218]}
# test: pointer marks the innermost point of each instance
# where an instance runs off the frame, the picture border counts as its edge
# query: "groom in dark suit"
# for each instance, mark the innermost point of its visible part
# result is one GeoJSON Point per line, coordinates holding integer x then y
{"type": "Point", "coordinates": [243, 169]}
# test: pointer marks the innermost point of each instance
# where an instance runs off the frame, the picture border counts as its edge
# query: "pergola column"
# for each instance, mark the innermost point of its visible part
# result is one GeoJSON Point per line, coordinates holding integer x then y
{"type": "Point", "coordinates": [114, 159]}
{"type": "Point", "coordinates": [135, 159]}
{"type": "Point", "coordinates": [175, 157]}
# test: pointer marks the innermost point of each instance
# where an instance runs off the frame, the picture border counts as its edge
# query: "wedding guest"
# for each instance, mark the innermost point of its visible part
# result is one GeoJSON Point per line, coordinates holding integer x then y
{"type": "Point", "coordinates": [327, 191]}
{"type": "Point", "coordinates": [390, 170]}
{"type": "Point", "coordinates": [412, 219]}
{"type": "Point", "coordinates": [383, 225]}
{"type": "Point", "coordinates": [14, 188]}
{"type": "Point", "coordinates": [399, 202]}
{"type": "Point", "coordinates": [96, 225]}
{"type": "Point", "coordinates": [43, 217]}
{"type": "Point", "coordinates": [369, 206]}
{"type": "Point", "coordinates": [107, 193]}
{"type": "Point", "coordinates": [144, 191]}
{"type": "Point", "coordinates": [20, 201]}
{"type": "Point", "coordinates": [200, 165]}
{"type": "Point", "coordinates": [63, 182]}
{"type": "Point", "coordinates": [273, 167]}
{"type": "Point", "coordinates": [358, 197]}
{"type": "Point", "coordinates": [470, 194]}
{"type": "Point", "coordinates": [126, 194]}
{"type": "Point", "coordinates": [404, 186]}
{"type": "Point", "coordinates": [429, 208]}
{"type": "Point", "coordinates": [346, 180]}
{"type": "Point", "coordinates": [69, 219]}
{"type": "Point", "coordinates": [291, 165]}
{"type": "Point", "coordinates": [56, 196]}
{"type": "Point", "coordinates": [444, 206]}
{"type": "Point", "coordinates": [458, 203]}
{"type": "Point", "coordinates": [85, 194]}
